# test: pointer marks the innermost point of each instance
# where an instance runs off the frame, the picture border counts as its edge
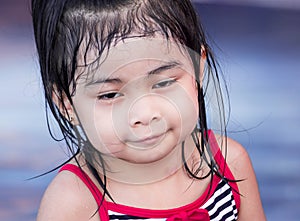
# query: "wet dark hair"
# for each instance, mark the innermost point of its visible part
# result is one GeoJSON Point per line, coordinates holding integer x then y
{"type": "Point", "coordinates": [63, 27]}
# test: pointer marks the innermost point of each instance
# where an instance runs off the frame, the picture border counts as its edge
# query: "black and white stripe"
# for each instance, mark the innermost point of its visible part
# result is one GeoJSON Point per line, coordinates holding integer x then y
{"type": "Point", "coordinates": [220, 206]}
{"type": "Point", "coordinates": [119, 216]}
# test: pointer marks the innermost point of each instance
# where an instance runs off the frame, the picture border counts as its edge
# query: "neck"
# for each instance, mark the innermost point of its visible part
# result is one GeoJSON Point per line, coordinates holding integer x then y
{"type": "Point", "coordinates": [130, 173]}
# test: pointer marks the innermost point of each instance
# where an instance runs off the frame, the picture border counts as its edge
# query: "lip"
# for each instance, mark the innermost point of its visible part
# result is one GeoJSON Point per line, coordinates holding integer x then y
{"type": "Point", "coordinates": [150, 140]}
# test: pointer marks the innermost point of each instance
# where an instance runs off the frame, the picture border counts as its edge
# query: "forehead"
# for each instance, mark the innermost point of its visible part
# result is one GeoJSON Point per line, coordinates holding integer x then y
{"type": "Point", "coordinates": [144, 48]}
{"type": "Point", "coordinates": [131, 50]}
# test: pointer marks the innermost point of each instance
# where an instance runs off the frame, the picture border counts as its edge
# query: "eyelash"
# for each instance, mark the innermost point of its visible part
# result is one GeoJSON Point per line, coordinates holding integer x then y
{"type": "Point", "coordinates": [114, 95]}
{"type": "Point", "coordinates": [109, 96]}
{"type": "Point", "coordinates": [164, 83]}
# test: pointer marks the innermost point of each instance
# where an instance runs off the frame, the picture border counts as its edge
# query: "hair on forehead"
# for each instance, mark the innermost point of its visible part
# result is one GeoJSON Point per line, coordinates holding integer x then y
{"type": "Point", "coordinates": [67, 30]}
{"type": "Point", "coordinates": [99, 25]}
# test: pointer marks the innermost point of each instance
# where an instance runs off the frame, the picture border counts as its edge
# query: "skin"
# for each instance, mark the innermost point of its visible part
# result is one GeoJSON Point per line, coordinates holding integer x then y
{"type": "Point", "coordinates": [111, 103]}
{"type": "Point", "coordinates": [108, 104]}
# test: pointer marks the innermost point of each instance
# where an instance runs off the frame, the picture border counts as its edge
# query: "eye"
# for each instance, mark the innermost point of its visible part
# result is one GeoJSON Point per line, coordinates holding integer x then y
{"type": "Point", "coordinates": [109, 96]}
{"type": "Point", "coordinates": [164, 83]}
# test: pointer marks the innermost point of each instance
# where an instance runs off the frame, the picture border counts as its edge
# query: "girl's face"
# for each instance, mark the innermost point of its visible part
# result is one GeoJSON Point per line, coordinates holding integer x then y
{"type": "Point", "coordinates": [141, 102]}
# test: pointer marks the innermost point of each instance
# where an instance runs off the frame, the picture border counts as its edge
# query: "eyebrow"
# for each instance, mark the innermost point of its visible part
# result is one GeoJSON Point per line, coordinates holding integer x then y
{"type": "Point", "coordinates": [166, 66]}
{"type": "Point", "coordinates": [103, 81]}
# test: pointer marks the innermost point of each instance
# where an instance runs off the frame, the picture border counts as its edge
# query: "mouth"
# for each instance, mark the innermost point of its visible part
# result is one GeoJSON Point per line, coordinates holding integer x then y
{"type": "Point", "coordinates": [149, 141]}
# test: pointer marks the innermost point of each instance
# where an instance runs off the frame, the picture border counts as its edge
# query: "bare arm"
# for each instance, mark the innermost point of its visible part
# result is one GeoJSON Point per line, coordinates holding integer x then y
{"type": "Point", "coordinates": [241, 167]}
{"type": "Point", "coordinates": [67, 199]}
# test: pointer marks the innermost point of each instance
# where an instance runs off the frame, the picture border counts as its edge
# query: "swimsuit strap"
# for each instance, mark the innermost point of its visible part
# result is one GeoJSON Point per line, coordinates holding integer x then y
{"type": "Point", "coordinates": [91, 186]}
{"type": "Point", "coordinates": [223, 167]}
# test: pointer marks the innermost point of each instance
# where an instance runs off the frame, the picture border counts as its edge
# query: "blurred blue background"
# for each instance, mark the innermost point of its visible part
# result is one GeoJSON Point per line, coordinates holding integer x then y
{"type": "Point", "coordinates": [258, 46]}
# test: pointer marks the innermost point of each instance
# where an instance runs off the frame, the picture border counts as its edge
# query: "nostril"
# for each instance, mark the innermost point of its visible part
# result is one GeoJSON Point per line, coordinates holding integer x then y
{"type": "Point", "coordinates": [136, 123]}
{"type": "Point", "coordinates": [143, 111]}
{"type": "Point", "coordinates": [155, 119]}
{"type": "Point", "coordinates": [143, 120]}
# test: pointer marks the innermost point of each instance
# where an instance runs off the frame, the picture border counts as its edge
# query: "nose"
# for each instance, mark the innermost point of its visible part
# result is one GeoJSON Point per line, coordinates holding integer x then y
{"type": "Point", "coordinates": [144, 111]}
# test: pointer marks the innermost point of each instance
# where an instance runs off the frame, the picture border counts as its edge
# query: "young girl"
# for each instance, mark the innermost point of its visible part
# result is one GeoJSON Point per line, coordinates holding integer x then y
{"type": "Point", "coordinates": [127, 82]}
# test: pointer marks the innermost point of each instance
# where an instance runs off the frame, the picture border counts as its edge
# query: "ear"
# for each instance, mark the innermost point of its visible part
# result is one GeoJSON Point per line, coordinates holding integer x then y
{"type": "Point", "coordinates": [203, 58]}
{"type": "Point", "coordinates": [65, 107]}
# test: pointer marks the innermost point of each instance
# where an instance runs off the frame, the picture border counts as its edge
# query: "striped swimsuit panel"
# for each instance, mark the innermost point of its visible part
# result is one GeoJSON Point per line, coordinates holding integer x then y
{"type": "Point", "coordinates": [220, 206]}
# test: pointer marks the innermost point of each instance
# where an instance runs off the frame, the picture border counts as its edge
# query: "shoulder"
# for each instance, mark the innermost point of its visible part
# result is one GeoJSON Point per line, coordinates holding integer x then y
{"type": "Point", "coordinates": [236, 155]}
{"type": "Point", "coordinates": [67, 198]}
{"type": "Point", "coordinates": [241, 167]}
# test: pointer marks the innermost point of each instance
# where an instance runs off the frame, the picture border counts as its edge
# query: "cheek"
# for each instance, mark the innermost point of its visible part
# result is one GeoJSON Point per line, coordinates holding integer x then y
{"type": "Point", "coordinates": [97, 125]}
{"type": "Point", "coordinates": [186, 102]}
{"type": "Point", "coordinates": [105, 137]}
